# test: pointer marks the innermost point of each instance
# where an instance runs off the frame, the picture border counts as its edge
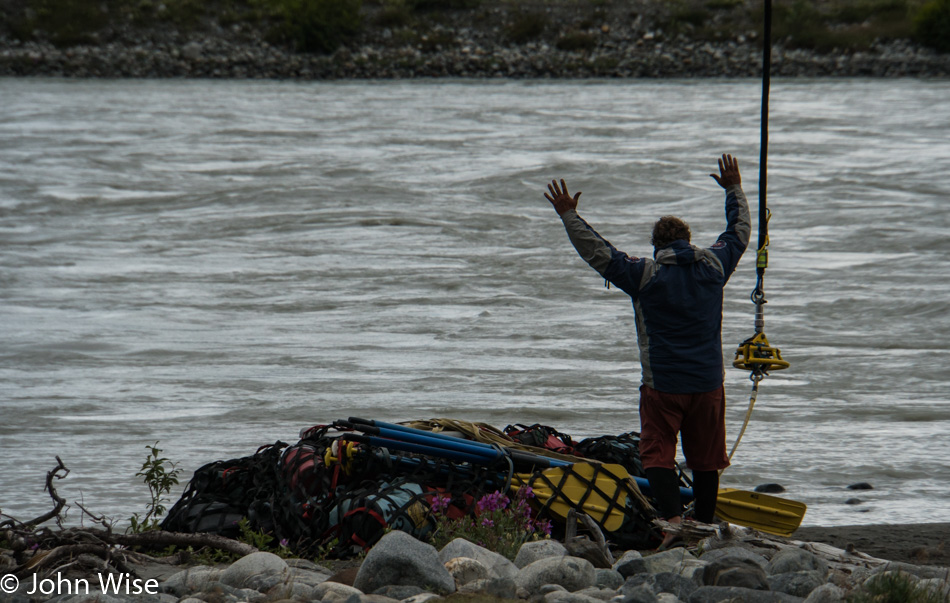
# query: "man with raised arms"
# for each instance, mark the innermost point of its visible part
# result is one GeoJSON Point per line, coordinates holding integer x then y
{"type": "Point", "coordinates": [677, 298]}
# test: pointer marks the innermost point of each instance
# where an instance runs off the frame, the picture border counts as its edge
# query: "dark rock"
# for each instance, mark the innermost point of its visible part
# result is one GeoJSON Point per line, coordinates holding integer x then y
{"type": "Point", "coordinates": [587, 549]}
{"type": "Point", "coordinates": [398, 592]}
{"type": "Point", "coordinates": [853, 501]}
{"type": "Point", "coordinates": [799, 584]}
{"type": "Point", "coordinates": [640, 594]}
{"type": "Point", "coordinates": [636, 581]}
{"type": "Point", "coordinates": [538, 549]}
{"type": "Point", "coordinates": [499, 565]}
{"type": "Point", "coordinates": [715, 594]}
{"type": "Point", "coordinates": [770, 488]}
{"type": "Point", "coordinates": [668, 582]}
{"type": "Point", "coordinates": [347, 576]}
{"type": "Point", "coordinates": [734, 552]}
{"type": "Point", "coordinates": [573, 573]}
{"type": "Point", "coordinates": [608, 578]}
{"type": "Point", "coordinates": [733, 571]}
{"type": "Point", "coordinates": [796, 560]}
{"type": "Point", "coordinates": [400, 559]}
{"type": "Point", "coordinates": [630, 563]}
{"type": "Point", "coordinates": [861, 486]}
{"type": "Point", "coordinates": [503, 588]}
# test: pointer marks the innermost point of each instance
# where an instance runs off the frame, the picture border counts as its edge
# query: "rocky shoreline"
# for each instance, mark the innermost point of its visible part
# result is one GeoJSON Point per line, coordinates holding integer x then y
{"type": "Point", "coordinates": [603, 39]}
{"type": "Point", "coordinates": [733, 565]}
{"type": "Point", "coordinates": [642, 58]}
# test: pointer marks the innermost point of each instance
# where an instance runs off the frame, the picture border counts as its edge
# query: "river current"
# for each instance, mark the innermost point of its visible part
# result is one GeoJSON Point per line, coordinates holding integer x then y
{"type": "Point", "coordinates": [215, 265]}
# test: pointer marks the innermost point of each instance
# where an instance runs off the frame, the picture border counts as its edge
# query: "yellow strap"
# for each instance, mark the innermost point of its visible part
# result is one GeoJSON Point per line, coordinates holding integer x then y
{"type": "Point", "coordinates": [748, 415]}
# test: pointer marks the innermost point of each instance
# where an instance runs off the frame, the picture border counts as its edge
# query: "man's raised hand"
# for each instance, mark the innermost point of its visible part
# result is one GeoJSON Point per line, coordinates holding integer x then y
{"type": "Point", "coordinates": [559, 197]}
{"type": "Point", "coordinates": [728, 172]}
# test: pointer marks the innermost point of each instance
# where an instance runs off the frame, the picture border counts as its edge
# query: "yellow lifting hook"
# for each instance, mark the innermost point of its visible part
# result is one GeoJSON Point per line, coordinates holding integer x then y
{"type": "Point", "coordinates": [756, 355]}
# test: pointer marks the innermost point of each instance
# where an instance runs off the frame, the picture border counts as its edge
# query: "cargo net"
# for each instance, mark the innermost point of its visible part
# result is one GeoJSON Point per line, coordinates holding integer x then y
{"type": "Point", "coordinates": [330, 495]}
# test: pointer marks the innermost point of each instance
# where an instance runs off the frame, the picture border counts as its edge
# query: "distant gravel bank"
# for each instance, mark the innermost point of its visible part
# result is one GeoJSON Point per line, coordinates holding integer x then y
{"type": "Point", "coordinates": [605, 39]}
{"type": "Point", "coordinates": [210, 57]}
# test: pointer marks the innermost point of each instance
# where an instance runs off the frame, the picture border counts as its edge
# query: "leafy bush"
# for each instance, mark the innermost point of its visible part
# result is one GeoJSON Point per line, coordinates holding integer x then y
{"type": "Point", "coordinates": [425, 5]}
{"type": "Point", "coordinates": [577, 41]}
{"type": "Point", "coordinates": [894, 587]}
{"type": "Point", "coordinates": [526, 26]}
{"type": "Point", "coordinates": [932, 25]}
{"type": "Point", "coordinates": [318, 25]}
{"type": "Point", "coordinates": [65, 22]}
{"type": "Point", "coordinates": [160, 475]}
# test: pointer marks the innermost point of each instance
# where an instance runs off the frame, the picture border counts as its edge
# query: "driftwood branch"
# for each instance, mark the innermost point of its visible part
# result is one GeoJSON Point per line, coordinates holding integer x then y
{"type": "Point", "coordinates": [46, 559]}
{"type": "Point", "coordinates": [165, 539]}
{"type": "Point", "coordinates": [57, 499]}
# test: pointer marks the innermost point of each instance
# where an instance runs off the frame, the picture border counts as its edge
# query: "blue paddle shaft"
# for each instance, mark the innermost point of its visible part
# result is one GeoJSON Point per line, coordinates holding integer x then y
{"type": "Point", "coordinates": [437, 443]}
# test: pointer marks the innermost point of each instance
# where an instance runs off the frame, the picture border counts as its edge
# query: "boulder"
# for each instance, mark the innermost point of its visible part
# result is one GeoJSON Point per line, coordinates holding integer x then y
{"type": "Point", "coordinates": [826, 593]}
{"type": "Point", "coordinates": [668, 561]}
{"type": "Point", "coordinates": [306, 576]}
{"type": "Point", "coordinates": [675, 584]}
{"type": "Point", "coordinates": [639, 594]}
{"type": "Point", "coordinates": [538, 549]}
{"type": "Point", "coordinates": [604, 594]}
{"type": "Point", "coordinates": [800, 584]}
{"type": "Point", "coordinates": [630, 563]}
{"type": "Point", "coordinates": [716, 594]}
{"type": "Point", "coordinates": [502, 588]}
{"type": "Point", "coordinates": [499, 565]}
{"type": "Point", "coordinates": [608, 578]}
{"type": "Point", "coordinates": [191, 580]}
{"type": "Point", "coordinates": [464, 570]}
{"type": "Point", "coordinates": [734, 552]}
{"type": "Point", "coordinates": [566, 597]}
{"type": "Point", "coordinates": [334, 591]}
{"type": "Point", "coordinates": [399, 593]}
{"type": "Point", "coordinates": [400, 559]}
{"type": "Point", "coordinates": [636, 581]}
{"type": "Point", "coordinates": [796, 560]}
{"type": "Point", "coordinates": [240, 573]}
{"type": "Point", "coordinates": [573, 573]}
{"type": "Point", "coordinates": [732, 571]}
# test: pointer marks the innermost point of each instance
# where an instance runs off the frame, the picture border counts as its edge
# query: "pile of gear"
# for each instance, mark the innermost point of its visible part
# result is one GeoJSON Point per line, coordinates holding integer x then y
{"type": "Point", "coordinates": [343, 485]}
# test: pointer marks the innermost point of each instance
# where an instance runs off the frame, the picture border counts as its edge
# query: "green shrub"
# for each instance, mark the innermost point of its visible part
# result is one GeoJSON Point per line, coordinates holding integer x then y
{"type": "Point", "coordinates": [870, 10]}
{"type": "Point", "coordinates": [395, 13]}
{"type": "Point", "coordinates": [526, 26]}
{"type": "Point", "coordinates": [319, 26]}
{"type": "Point", "coordinates": [66, 22]}
{"type": "Point", "coordinates": [932, 25]}
{"type": "Point", "coordinates": [892, 587]}
{"type": "Point", "coordinates": [429, 5]}
{"type": "Point", "coordinates": [160, 475]}
{"type": "Point", "coordinates": [576, 41]}
{"type": "Point", "coordinates": [723, 4]}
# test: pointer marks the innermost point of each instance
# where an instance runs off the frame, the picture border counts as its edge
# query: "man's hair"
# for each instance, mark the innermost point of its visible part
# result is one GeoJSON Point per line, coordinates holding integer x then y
{"type": "Point", "coordinates": [668, 229]}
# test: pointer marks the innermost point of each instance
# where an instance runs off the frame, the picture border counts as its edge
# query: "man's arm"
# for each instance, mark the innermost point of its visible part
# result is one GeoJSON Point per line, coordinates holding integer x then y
{"type": "Point", "coordinates": [612, 264]}
{"type": "Point", "coordinates": [733, 242]}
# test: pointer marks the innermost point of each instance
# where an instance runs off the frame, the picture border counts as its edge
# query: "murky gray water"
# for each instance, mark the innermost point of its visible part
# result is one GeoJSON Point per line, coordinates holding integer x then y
{"type": "Point", "coordinates": [215, 265]}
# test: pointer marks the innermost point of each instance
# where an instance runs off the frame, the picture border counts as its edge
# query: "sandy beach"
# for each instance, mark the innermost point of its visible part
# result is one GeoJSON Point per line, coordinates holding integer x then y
{"type": "Point", "coordinates": [918, 544]}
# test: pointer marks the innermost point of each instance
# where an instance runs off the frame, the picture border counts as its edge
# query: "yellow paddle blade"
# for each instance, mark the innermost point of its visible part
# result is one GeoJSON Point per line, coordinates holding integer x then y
{"type": "Point", "coordinates": [600, 491]}
{"type": "Point", "coordinates": [762, 512]}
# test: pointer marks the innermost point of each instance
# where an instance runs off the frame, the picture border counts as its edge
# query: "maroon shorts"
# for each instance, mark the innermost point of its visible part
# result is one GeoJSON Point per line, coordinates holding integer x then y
{"type": "Point", "coordinates": [699, 417]}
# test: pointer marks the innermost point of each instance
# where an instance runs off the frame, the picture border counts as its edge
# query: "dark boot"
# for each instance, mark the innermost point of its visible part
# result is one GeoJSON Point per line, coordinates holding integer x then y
{"type": "Point", "coordinates": [705, 491]}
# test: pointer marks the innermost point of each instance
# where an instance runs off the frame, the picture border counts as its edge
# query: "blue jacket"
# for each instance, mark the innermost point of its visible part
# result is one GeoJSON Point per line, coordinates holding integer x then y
{"type": "Point", "coordinates": [677, 297]}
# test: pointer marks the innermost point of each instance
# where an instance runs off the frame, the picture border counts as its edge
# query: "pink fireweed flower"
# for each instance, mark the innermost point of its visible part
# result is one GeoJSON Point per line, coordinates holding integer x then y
{"type": "Point", "coordinates": [496, 501]}
{"type": "Point", "coordinates": [440, 503]}
{"type": "Point", "coordinates": [488, 523]}
{"type": "Point", "coordinates": [284, 543]}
